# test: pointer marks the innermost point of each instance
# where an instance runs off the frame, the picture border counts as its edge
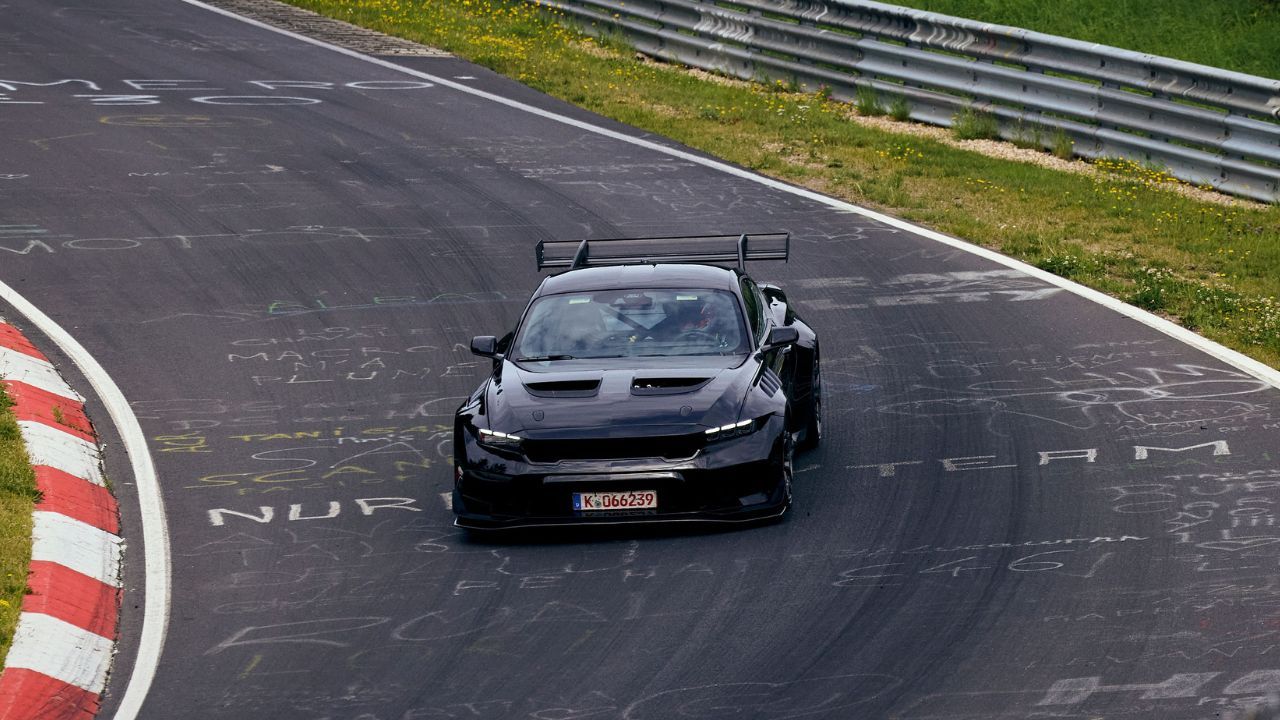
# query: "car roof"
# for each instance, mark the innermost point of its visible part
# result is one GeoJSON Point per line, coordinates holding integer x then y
{"type": "Point", "coordinates": [671, 275]}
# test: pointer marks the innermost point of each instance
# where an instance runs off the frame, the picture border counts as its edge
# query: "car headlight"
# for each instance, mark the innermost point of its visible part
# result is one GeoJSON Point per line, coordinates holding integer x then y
{"type": "Point", "coordinates": [496, 440]}
{"type": "Point", "coordinates": [738, 429]}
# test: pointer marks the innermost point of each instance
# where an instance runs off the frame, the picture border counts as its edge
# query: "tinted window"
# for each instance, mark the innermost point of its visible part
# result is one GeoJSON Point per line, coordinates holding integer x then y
{"type": "Point", "coordinates": [632, 323]}
{"type": "Point", "coordinates": [755, 307]}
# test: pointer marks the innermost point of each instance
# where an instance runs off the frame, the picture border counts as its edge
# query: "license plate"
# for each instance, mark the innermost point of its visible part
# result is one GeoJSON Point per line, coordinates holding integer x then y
{"type": "Point", "coordinates": [613, 501]}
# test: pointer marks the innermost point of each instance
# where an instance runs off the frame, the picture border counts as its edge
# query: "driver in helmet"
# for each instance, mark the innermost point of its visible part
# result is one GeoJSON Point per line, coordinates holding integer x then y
{"type": "Point", "coordinates": [683, 316]}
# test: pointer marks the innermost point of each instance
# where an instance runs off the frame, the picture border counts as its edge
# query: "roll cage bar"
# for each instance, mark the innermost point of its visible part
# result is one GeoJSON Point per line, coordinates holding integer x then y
{"type": "Point", "coordinates": [574, 254]}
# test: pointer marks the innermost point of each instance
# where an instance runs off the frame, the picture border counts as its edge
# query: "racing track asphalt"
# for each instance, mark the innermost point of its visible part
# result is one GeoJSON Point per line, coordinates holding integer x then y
{"type": "Point", "coordinates": [1026, 503]}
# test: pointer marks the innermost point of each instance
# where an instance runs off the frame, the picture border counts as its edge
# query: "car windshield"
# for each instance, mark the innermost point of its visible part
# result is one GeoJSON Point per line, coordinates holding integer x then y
{"type": "Point", "coordinates": [631, 323]}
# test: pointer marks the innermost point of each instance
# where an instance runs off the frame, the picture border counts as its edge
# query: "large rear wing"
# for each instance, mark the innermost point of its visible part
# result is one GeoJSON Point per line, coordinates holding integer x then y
{"type": "Point", "coordinates": [574, 254]}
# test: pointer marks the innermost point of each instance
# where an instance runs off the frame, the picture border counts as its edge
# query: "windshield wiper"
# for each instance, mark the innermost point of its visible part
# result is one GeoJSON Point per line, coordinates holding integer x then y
{"type": "Point", "coordinates": [544, 358]}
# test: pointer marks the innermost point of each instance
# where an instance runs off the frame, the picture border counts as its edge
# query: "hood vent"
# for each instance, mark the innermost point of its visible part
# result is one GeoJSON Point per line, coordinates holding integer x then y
{"type": "Point", "coordinates": [563, 388]}
{"type": "Point", "coordinates": [667, 385]}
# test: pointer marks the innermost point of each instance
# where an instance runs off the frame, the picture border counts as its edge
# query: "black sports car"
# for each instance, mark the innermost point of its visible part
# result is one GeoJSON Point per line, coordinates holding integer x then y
{"type": "Point", "coordinates": [641, 385]}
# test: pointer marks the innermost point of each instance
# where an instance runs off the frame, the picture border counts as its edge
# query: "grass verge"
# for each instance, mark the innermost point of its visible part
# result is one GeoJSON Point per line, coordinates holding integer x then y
{"type": "Point", "coordinates": [18, 496]}
{"type": "Point", "coordinates": [1213, 268]}
{"type": "Point", "coordinates": [1240, 35]}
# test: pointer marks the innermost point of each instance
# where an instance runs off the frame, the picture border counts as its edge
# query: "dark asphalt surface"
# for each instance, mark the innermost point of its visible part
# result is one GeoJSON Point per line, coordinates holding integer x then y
{"type": "Point", "coordinates": [284, 290]}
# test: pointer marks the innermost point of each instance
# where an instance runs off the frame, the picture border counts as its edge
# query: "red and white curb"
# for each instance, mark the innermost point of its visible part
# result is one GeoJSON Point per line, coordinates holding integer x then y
{"type": "Point", "coordinates": [62, 649]}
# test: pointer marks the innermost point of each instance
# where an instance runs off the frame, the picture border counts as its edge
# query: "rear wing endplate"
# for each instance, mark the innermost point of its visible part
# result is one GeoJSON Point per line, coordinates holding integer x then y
{"type": "Point", "coordinates": [574, 254]}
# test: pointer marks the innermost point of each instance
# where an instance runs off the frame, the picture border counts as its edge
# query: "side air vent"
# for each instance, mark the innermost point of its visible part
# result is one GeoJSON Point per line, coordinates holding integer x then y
{"type": "Point", "coordinates": [667, 385]}
{"type": "Point", "coordinates": [563, 388]}
{"type": "Point", "coordinates": [770, 382]}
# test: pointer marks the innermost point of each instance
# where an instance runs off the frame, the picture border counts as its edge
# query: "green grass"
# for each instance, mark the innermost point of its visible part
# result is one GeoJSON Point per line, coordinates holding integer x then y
{"type": "Point", "coordinates": [970, 124]}
{"type": "Point", "coordinates": [1108, 232]}
{"type": "Point", "coordinates": [1240, 35]}
{"type": "Point", "coordinates": [899, 109]}
{"type": "Point", "coordinates": [1028, 136]}
{"type": "Point", "coordinates": [18, 495]}
{"type": "Point", "coordinates": [868, 103]}
{"type": "Point", "coordinates": [1063, 145]}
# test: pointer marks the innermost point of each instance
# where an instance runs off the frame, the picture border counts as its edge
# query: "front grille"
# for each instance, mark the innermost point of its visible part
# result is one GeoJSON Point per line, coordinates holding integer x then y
{"type": "Point", "coordinates": [696, 491]}
{"type": "Point", "coordinates": [671, 447]}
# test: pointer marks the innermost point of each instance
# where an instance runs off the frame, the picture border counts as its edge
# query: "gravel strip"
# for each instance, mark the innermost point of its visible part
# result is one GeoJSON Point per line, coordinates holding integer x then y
{"type": "Point", "coordinates": [1009, 151]}
{"type": "Point", "coordinates": [993, 148]}
{"type": "Point", "coordinates": [336, 32]}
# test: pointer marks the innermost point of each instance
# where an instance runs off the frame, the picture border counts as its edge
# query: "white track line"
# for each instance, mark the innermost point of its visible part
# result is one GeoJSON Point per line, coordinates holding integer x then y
{"type": "Point", "coordinates": [155, 532]}
{"type": "Point", "coordinates": [1225, 354]}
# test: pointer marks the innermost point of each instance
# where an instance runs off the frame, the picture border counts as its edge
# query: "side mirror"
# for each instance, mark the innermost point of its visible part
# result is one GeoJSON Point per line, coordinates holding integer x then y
{"type": "Point", "coordinates": [485, 346]}
{"type": "Point", "coordinates": [781, 337]}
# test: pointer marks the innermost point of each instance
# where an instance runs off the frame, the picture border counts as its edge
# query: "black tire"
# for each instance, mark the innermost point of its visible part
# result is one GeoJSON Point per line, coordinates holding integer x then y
{"type": "Point", "coordinates": [788, 466]}
{"type": "Point", "coordinates": [813, 424]}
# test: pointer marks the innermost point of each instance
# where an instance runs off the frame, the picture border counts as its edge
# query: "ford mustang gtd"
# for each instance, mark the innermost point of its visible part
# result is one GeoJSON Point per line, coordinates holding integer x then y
{"type": "Point", "coordinates": [645, 383]}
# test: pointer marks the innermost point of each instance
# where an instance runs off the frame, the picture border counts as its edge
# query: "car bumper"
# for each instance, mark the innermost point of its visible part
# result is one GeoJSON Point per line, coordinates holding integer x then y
{"type": "Point", "coordinates": [742, 480]}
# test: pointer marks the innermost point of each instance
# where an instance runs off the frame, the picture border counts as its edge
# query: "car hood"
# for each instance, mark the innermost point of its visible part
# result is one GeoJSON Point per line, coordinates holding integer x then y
{"type": "Point", "coordinates": [615, 402]}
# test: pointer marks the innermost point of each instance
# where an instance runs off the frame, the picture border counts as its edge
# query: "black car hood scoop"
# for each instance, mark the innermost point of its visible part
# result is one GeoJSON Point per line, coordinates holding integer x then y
{"type": "Point", "coordinates": [616, 400]}
{"type": "Point", "coordinates": [667, 385]}
{"type": "Point", "coordinates": [564, 388]}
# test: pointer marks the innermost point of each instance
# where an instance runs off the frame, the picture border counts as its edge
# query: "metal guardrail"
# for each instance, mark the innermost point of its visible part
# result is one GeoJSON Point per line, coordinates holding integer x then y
{"type": "Point", "coordinates": [1203, 125]}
